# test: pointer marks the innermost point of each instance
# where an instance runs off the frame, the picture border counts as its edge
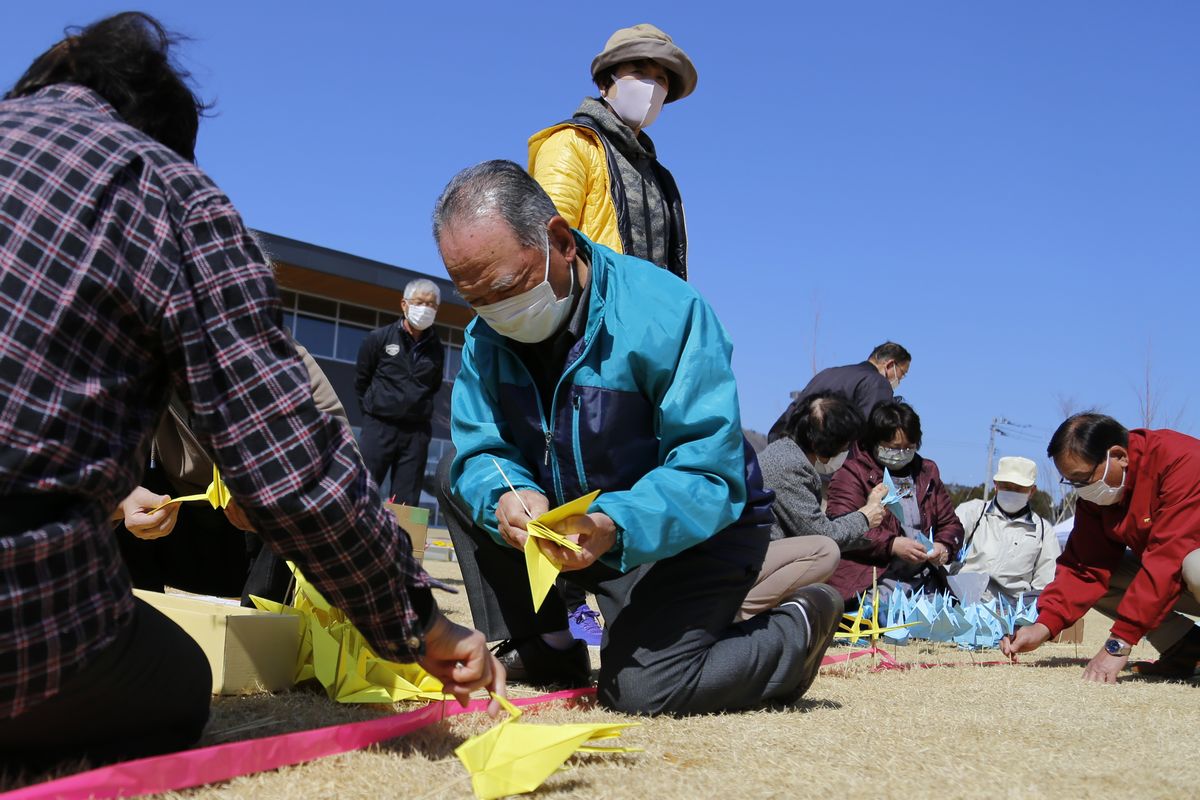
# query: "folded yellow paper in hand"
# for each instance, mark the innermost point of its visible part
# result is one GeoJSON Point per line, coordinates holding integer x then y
{"type": "Point", "coordinates": [543, 570]}
{"type": "Point", "coordinates": [514, 758]}
{"type": "Point", "coordinates": [217, 494]}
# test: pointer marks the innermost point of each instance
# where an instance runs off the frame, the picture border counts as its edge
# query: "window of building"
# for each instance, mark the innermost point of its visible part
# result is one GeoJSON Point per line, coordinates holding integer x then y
{"type": "Point", "coordinates": [318, 335]}
{"type": "Point", "coordinates": [349, 340]}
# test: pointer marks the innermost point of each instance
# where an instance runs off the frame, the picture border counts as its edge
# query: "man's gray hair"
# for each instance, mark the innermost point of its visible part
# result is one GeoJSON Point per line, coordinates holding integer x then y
{"type": "Point", "coordinates": [422, 286]}
{"type": "Point", "coordinates": [496, 188]}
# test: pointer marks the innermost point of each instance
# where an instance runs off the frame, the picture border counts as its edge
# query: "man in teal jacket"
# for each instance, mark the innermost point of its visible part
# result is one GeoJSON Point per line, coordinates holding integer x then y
{"type": "Point", "coordinates": [591, 370]}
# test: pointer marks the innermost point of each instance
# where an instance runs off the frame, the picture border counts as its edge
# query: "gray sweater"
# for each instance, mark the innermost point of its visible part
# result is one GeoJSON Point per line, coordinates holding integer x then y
{"type": "Point", "coordinates": [797, 488]}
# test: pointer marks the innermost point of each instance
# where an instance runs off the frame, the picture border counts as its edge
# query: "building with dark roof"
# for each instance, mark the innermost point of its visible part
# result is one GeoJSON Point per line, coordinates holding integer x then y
{"type": "Point", "coordinates": [332, 300]}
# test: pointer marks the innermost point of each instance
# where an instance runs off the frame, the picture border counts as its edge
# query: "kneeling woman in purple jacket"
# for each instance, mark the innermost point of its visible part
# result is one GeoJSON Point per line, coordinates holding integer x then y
{"type": "Point", "coordinates": [893, 551]}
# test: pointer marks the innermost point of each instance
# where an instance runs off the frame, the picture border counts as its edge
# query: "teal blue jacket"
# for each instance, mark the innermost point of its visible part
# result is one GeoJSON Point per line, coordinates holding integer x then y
{"type": "Point", "coordinates": [646, 410]}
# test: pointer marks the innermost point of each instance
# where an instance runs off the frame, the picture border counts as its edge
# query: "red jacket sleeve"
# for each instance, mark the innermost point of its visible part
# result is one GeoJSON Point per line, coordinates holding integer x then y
{"type": "Point", "coordinates": [1174, 532]}
{"type": "Point", "coordinates": [1083, 572]}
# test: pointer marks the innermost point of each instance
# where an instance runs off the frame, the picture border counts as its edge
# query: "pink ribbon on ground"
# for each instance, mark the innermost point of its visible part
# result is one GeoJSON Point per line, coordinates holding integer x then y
{"type": "Point", "coordinates": [885, 656]}
{"type": "Point", "coordinates": [223, 762]}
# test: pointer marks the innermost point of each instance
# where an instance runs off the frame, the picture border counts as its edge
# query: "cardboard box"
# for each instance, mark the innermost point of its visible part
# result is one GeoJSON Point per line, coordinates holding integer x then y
{"type": "Point", "coordinates": [1071, 635]}
{"type": "Point", "coordinates": [415, 522]}
{"type": "Point", "coordinates": [248, 650]}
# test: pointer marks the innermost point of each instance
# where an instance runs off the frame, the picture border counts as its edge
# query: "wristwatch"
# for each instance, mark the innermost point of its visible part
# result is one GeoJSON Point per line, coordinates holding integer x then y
{"type": "Point", "coordinates": [1117, 647]}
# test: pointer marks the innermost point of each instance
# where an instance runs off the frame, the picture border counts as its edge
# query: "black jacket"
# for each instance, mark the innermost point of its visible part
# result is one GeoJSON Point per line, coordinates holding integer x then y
{"type": "Point", "coordinates": [860, 383]}
{"type": "Point", "coordinates": [398, 376]}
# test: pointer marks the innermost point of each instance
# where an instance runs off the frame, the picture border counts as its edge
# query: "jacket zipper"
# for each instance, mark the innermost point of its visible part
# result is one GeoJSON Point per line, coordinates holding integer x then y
{"type": "Point", "coordinates": [575, 403]}
{"type": "Point", "coordinates": [547, 427]}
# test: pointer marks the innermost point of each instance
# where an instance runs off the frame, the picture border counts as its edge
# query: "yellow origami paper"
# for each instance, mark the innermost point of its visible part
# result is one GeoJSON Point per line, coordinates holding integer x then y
{"type": "Point", "coordinates": [217, 494]}
{"type": "Point", "coordinates": [334, 653]}
{"type": "Point", "coordinates": [514, 758]}
{"type": "Point", "coordinates": [543, 570]}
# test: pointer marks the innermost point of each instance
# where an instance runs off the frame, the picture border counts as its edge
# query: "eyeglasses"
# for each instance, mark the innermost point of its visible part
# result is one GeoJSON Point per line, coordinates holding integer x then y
{"type": "Point", "coordinates": [1065, 481]}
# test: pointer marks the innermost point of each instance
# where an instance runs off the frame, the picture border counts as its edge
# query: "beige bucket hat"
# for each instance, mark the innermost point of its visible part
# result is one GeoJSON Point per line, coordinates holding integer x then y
{"type": "Point", "coordinates": [646, 41]}
{"type": "Point", "coordinates": [1014, 469]}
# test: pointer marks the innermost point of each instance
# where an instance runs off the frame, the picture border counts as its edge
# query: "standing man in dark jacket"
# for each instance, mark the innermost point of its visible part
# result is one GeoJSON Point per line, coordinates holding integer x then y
{"type": "Point", "coordinates": [399, 374]}
{"type": "Point", "coordinates": [866, 384]}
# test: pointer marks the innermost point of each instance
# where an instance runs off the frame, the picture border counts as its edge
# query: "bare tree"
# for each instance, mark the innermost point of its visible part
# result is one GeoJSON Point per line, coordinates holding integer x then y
{"type": "Point", "coordinates": [1150, 398]}
{"type": "Point", "coordinates": [1067, 404]}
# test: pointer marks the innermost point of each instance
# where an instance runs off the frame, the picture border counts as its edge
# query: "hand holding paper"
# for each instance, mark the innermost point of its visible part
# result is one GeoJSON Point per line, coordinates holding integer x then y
{"type": "Point", "coordinates": [543, 570]}
{"type": "Point", "coordinates": [515, 511]}
{"type": "Point", "coordinates": [217, 494]}
{"type": "Point", "coordinates": [891, 500]}
{"type": "Point", "coordinates": [147, 515]}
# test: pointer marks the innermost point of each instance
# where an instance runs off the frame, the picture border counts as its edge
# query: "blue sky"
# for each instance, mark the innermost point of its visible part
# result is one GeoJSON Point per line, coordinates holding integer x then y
{"type": "Point", "coordinates": [1010, 190]}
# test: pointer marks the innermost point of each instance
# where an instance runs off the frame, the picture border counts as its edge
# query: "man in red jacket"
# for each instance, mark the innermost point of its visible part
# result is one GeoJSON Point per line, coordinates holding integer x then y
{"type": "Point", "coordinates": [1138, 489]}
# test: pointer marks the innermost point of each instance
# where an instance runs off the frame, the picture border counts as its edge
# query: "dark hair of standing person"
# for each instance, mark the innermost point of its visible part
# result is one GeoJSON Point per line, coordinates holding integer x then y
{"type": "Point", "coordinates": [886, 419]}
{"type": "Point", "coordinates": [1089, 436]}
{"type": "Point", "coordinates": [826, 424]}
{"type": "Point", "coordinates": [126, 59]}
{"type": "Point", "coordinates": [890, 351]}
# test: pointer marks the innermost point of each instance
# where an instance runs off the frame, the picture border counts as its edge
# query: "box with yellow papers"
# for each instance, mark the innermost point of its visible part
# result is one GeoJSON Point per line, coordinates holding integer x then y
{"type": "Point", "coordinates": [248, 650]}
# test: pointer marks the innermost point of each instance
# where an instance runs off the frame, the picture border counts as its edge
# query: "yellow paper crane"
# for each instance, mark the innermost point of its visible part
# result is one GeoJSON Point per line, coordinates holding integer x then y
{"type": "Point", "coordinates": [514, 758]}
{"type": "Point", "coordinates": [334, 653]}
{"type": "Point", "coordinates": [217, 494]}
{"type": "Point", "coordinates": [855, 630]}
{"type": "Point", "coordinates": [543, 570]}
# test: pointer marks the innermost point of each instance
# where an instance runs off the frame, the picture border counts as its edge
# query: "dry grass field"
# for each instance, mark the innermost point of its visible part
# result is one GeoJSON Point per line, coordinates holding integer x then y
{"type": "Point", "coordinates": [1031, 730]}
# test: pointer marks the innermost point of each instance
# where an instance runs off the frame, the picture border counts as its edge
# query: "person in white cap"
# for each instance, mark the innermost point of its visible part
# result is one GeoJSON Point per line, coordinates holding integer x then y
{"type": "Point", "coordinates": [601, 169]}
{"type": "Point", "coordinates": [1005, 538]}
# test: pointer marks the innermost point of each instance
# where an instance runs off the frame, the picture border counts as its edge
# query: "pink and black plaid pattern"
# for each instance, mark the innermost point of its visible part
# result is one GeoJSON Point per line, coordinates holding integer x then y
{"type": "Point", "coordinates": [124, 272]}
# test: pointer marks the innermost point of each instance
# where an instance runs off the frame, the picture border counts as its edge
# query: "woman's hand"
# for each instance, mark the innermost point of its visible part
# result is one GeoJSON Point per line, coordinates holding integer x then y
{"type": "Point", "coordinates": [909, 550]}
{"type": "Point", "coordinates": [135, 511]}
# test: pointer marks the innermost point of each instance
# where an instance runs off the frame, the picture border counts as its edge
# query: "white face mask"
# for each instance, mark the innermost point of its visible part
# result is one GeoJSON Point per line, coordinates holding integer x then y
{"type": "Point", "coordinates": [532, 316]}
{"type": "Point", "coordinates": [892, 458]}
{"type": "Point", "coordinates": [1100, 492]}
{"type": "Point", "coordinates": [895, 381]}
{"type": "Point", "coordinates": [420, 317]}
{"type": "Point", "coordinates": [832, 465]}
{"type": "Point", "coordinates": [636, 101]}
{"type": "Point", "coordinates": [1010, 501]}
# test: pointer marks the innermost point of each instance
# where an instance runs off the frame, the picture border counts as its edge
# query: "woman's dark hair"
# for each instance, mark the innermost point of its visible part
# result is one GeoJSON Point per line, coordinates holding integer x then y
{"type": "Point", "coordinates": [886, 419]}
{"type": "Point", "coordinates": [1089, 436]}
{"type": "Point", "coordinates": [126, 60]}
{"type": "Point", "coordinates": [826, 424]}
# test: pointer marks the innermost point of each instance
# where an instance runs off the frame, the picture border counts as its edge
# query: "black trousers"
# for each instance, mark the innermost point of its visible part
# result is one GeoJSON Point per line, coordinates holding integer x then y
{"type": "Point", "coordinates": [670, 644]}
{"type": "Point", "coordinates": [402, 447]}
{"type": "Point", "coordinates": [146, 693]}
{"type": "Point", "coordinates": [203, 554]}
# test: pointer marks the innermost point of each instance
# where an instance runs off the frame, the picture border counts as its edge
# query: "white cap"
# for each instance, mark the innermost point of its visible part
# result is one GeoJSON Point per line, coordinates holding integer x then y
{"type": "Point", "coordinates": [1014, 469]}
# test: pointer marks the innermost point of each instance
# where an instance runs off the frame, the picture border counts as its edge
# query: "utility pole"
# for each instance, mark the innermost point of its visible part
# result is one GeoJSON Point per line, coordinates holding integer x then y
{"type": "Point", "coordinates": [993, 429]}
{"type": "Point", "coordinates": [997, 427]}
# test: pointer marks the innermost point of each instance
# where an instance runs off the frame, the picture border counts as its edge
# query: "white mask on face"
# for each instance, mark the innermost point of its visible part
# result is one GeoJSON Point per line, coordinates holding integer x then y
{"type": "Point", "coordinates": [532, 316]}
{"type": "Point", "coordinates": [1010, 501]}
{"type": "Point", "coordinates": [1100, 492]}
{"type": "Point", "coordinates": [420, 317]}
{"type": "Point", "coordinates": [893, 458]}
{"type": "Point", "coordinates": [636, 101]}
{"type": "Point", "coordinates": [832, 465]}
{"type": "Point", "coordinates": [895, 381]}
